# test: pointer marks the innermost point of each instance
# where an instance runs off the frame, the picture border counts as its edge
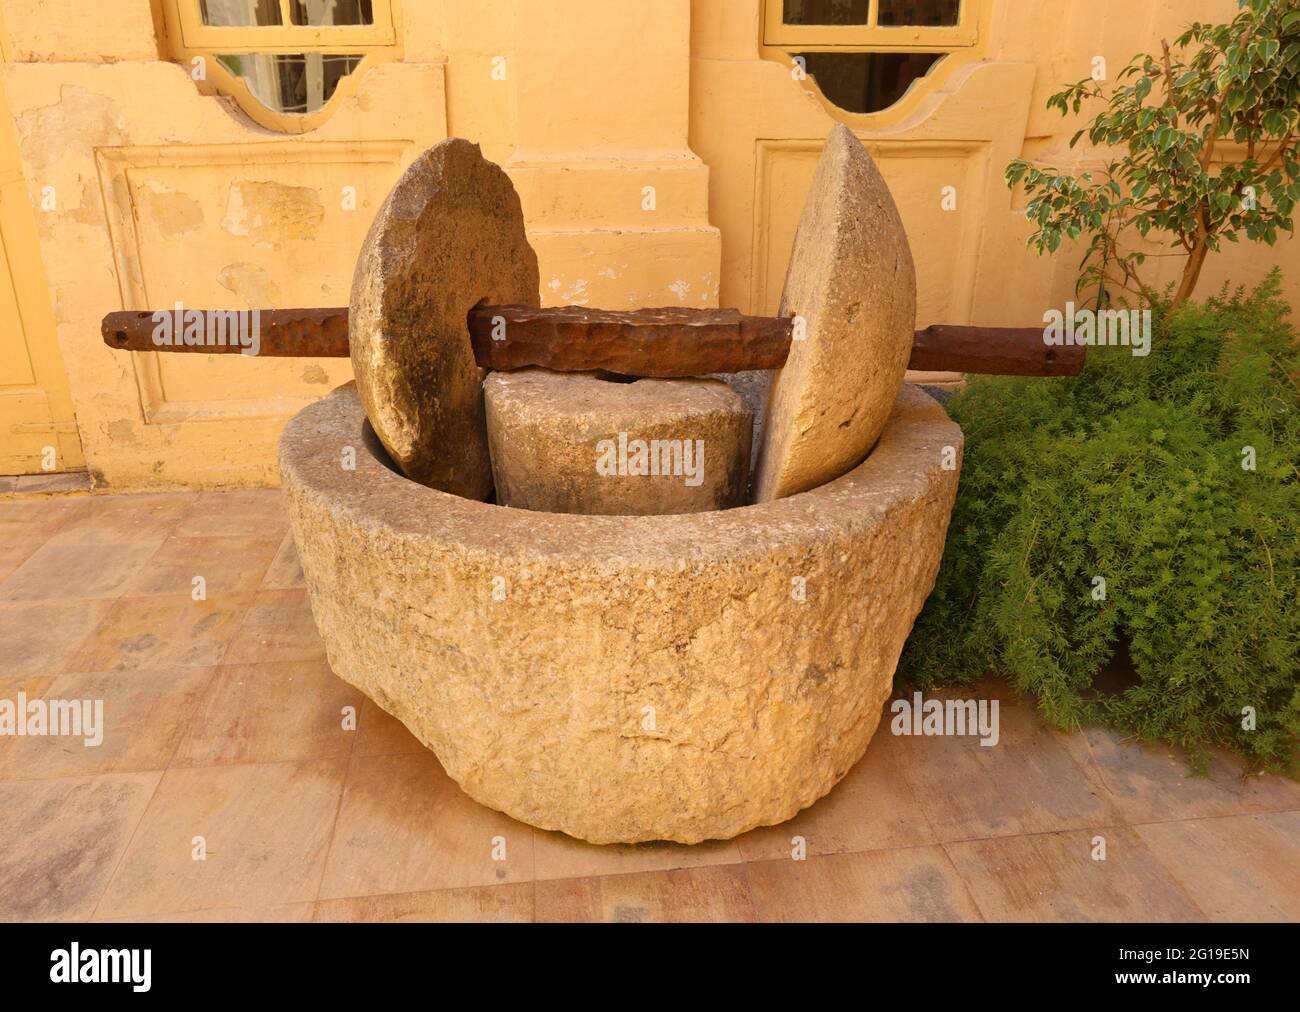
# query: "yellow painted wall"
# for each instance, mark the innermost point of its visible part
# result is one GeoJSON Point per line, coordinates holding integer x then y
{"type": "Point", "coordinates": [167, 192]}
{"type": "Point", "coordinates": [760, 131]}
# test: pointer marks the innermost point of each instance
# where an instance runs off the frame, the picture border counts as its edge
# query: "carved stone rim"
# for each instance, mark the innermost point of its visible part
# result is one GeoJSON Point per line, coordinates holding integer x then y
{"type": "Point", "coordinates": [902, 467]}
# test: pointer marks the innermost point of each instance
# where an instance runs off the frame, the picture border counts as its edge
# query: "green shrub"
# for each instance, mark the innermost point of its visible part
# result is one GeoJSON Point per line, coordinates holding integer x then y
{"type": "Point", "coordinates": [1133, 471]}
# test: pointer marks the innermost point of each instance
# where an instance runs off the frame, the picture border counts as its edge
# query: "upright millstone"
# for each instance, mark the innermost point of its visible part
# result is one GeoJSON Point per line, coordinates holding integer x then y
{"type": "Point", "coordinates": [578, 443]}
{"type": "Point", "coordinates": [852, 283]}
{"type": "Point", "coordinates": [449, 236]}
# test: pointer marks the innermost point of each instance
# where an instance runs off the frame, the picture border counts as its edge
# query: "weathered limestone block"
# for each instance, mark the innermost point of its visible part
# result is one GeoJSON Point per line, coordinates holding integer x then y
{"type": "Point", "coordinates": [449, 236]}
{"type": "Point", "coordinates": [624, 678]}
{"type": "Point", "coordinates": [852, 281]}
{"type": "Point", "coordinates": [576, 443]}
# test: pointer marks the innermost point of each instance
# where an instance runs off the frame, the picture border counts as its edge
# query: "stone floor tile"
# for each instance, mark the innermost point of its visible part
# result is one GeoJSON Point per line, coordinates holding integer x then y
{"type": "Point", "coordinates": [277, 627]}
{"type": "Point", "coordinates": [1155, 783]}
{"type": "Point", "coordinates": [405, 826]}
{"type": "Point", "coordinates": [511, 903]}
{"type": "Point", "coordinates": [909, 884]}
{"type": "Point", "coordinates": [255, 513]}
{"type": "Point", "coordinates": [41, 637]}
{"type": "Point", "coordinates": [265, 831]}
{"type": "Point", "coordinates": [1029, 782]}
{"type": "Point", "coordinates": [227, 566]}
{"type": "Point", "coordinates": [1054, 877]}
{"type": "Point", "coordinates": [72, 570]}
{"type": "Point", "coordinates": [13, 556]}
{"type": "Point", "coordinates": [161, 633]}
{"type": "Point", "coordinates": [287, 913]}
{"type": "Point", "coordinates": [257, 713]}
{"type": "Point", "coordinates": [872, 808]}
{"type": "Point", "coordinates": [680, 895]}
{"type": "Point", "coordinates": [285, 572]}
{"type": "Point", "coordinates": [107, 519]}
{"type": "Point", "coordinates": [144, 716]}
{"type": "Point", "coordinates": [1238, 868]}
{"type": "Point", "coordinates": [61, 839]}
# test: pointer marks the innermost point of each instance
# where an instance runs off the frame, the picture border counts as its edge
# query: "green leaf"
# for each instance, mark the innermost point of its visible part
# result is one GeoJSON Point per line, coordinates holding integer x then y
{"type": "Point", "coordinates": [1275, 122]}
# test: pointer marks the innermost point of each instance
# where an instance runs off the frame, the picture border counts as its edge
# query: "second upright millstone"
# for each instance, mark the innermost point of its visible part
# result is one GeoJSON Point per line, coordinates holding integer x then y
{"type": "Point", "coordinates": [579, 443]}
{"type": "Point", "coordinates": [852, 282]}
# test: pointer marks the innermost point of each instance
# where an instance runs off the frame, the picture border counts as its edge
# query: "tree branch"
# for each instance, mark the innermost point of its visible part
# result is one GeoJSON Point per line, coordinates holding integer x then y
{"type": "Point", "coordinates": [1283, 146]}
{"type": "Point", "coordinates": [1169, 81]}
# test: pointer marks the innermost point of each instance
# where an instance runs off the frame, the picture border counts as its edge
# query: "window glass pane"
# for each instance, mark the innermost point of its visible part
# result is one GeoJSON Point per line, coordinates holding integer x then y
{"type": "Point", "coordinates": [826, 12]}
{"type": "Point", "coordinates": [240, 12]}
{"type": "Point", "coordinates": [867, 82]}
{"type": "Point", "coordinates": [919, 12]}
{"type": "Point", "coordinates": [292, 82]}
{"type": "Point", "coordinates": [331, 12]}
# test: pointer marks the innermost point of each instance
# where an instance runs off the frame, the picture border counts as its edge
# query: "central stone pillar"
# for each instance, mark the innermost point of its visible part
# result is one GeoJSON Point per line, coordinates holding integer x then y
{"type": "Point", "coordinates": [580, 443]}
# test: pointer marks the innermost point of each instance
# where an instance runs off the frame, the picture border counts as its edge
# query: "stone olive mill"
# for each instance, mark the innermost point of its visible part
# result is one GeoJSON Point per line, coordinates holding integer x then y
{"type": "Point", "coordinates": [630, 575]}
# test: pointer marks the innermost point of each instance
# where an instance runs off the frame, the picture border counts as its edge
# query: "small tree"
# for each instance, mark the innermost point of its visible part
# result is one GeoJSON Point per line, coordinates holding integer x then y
{"type": "Point", "coordinates": [1237, 82]}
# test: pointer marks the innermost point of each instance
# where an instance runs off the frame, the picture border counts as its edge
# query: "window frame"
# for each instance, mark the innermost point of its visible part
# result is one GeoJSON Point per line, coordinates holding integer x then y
{"type": "Point", "coordinates": [188, 37]}
{"type": "Point", "coordinates": [960, 46]}
{"type": "Point", "coordinates": [871, 37]}
{"type": "Point", "coordinates": [194, 34]}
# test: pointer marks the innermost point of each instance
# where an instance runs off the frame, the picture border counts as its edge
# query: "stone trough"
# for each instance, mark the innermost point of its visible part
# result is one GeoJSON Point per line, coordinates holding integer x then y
{"type": "Point", "coordinates": [624, 678]}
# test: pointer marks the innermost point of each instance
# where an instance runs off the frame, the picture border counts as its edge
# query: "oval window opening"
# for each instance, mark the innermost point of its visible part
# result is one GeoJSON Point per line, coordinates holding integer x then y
{"type": "Point", "coordinates": [867, 82]}
{"type": "Point", "coordinates": [295, 83]}
{"type": "Point", "coordinates": [282, 61]}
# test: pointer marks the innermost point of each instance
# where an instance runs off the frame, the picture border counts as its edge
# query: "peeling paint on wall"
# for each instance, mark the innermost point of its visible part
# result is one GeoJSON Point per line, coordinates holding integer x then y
{"type": "Point", "coordinates": [80, 119]}
{"type": "Point", "coordinates": [270, 213]}
{"type": "Point", "coordinates": [173, 213]}
{"type": "Point", "coordinates": [122, 431]}
{"type": "Point", "coordinates": [251, 283]}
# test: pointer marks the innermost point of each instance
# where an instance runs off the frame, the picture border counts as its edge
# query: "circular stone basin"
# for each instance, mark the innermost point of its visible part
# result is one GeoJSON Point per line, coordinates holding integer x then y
{"type": "Point", "coordinates": [623, 679]}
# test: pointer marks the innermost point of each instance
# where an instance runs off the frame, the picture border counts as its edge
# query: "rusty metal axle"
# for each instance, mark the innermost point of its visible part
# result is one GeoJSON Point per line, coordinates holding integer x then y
{"type": "Point", "coordinates": [671, 342]}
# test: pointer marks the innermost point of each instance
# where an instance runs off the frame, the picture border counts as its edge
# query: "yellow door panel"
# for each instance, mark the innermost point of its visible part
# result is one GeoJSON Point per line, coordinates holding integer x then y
{"type": "Point", "coordinates": [38, 429]}
{"type": "Point", "coordinates": [15, 363]}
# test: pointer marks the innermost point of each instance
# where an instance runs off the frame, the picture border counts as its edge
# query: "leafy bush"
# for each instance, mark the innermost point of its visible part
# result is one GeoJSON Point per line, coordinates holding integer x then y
{"type": "Point", "coordinates": [1170, 115]}
{"type": "Point", "coordinates": [1133, 472]}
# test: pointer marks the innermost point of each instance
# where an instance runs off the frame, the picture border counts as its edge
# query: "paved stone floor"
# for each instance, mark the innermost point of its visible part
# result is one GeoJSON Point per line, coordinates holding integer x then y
{"type": "Point", "coordinates": [223, 722]}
